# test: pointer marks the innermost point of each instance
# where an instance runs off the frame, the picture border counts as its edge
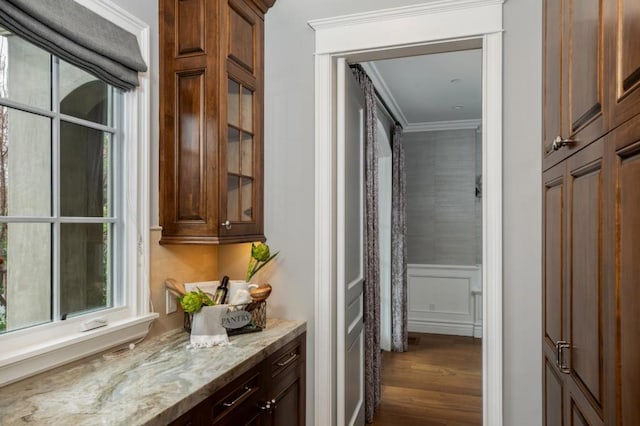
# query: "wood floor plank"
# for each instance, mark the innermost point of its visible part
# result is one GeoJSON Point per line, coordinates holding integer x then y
{"type": "Point", "coordinates": [438, 382]}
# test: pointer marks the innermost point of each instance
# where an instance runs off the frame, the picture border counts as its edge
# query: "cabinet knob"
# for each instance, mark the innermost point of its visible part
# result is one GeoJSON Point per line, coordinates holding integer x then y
{"type": "Point", "coordinates": [558, 143]}
{"type": "Point", "coordinates": [265, 406]}
{"type": "Point", "coordinates": [226, 224]}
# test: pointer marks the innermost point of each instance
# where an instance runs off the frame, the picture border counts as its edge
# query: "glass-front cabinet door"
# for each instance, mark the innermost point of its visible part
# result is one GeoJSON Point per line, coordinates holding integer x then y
{"type": "Point", "coordinates": [240, 206]}
{"type": "Point", "coordinates": [241, 181]}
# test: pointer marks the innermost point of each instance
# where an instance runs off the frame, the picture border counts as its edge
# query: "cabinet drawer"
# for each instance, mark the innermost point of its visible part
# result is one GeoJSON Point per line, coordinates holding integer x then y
{"type": "Point", "coordinates": [241, 393]}
{"type": "Point", "coordinates": [287, 358]}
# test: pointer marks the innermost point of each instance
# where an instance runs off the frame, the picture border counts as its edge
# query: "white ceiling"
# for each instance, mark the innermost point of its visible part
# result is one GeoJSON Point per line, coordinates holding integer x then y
{"type": "Point", "coordinates": [430, 91]}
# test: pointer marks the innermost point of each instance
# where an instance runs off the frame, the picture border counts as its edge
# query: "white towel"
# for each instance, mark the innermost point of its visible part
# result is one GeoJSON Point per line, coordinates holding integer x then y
{"type": "Point", "coordinates": [206, 329]}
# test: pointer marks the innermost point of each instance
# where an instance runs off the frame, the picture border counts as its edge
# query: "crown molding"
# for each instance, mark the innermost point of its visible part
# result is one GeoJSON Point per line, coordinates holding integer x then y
{"type": "Point", "coordinates": [428, 126]}
{"type": "Point", "coordinates": [385, 93]}
{"type": "Point", "coordinates": [439, 6]}
{"type": "Point", "coordinates": [435, 126]}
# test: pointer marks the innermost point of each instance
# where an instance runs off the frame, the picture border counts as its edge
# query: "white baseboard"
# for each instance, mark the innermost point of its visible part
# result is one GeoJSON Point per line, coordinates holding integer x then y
{"type": "Point", "coordinates": [441, 327]}
{"type": "Point", "coordinates": [477, 331]}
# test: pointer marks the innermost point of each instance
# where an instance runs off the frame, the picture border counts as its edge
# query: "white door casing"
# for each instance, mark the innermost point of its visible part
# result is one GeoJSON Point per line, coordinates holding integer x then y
{"type": "Point", "coordinates": [350, 248]}
{"type": "Point", "coordinates": [385, 34]}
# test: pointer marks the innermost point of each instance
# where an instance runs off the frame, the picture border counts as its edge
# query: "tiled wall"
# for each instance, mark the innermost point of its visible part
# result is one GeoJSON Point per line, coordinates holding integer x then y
{"type": "Point", "coordinates": [443, 213]}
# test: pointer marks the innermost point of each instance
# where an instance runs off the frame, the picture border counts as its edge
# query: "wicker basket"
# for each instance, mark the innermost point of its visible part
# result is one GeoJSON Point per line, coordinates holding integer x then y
{"type": "Point", "coordinates": [258, 318]}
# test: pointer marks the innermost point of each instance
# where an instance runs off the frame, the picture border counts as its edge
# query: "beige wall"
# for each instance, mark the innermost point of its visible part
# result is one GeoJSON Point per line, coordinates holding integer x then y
{"type": "Point", "coordinates": [184, 263]}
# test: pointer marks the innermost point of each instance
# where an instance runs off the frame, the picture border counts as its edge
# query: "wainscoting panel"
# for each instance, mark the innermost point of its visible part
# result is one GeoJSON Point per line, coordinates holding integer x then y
{"type": "Point", "coordinates": [445, 299]}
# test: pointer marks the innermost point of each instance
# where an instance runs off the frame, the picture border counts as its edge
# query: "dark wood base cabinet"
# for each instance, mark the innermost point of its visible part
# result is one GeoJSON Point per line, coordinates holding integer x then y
{"type": "Point", "coordinates": [591, 213]}
{"type": "Point", "coordinates": [270, 394]}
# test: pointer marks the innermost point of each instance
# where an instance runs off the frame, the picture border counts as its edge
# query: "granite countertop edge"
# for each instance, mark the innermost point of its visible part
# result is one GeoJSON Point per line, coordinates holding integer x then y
{"type": "Point", "coordinates": [154, 384]}
{"type": "Point", "coordinates": [174, 412]}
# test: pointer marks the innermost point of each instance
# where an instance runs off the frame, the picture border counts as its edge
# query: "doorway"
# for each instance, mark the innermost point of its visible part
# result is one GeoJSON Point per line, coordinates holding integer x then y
{"type": "Point", "coordinates": [437, 100]}
{"type": "Point", "coordinates": [413, 30]}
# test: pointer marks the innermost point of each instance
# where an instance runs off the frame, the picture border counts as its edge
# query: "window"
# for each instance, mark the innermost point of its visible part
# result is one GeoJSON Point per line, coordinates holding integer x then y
{"type": "Point", "coordinates": [74, 208]}
{"type": "Point", "coordinates": [60, 224]}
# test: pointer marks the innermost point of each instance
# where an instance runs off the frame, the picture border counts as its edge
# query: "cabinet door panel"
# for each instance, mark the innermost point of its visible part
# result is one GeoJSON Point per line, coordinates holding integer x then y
{"type": "Point", "coordinates": [552, 395]}
{"type": "Point", "coordinates": [628, 295]}
{"type": "Point", "coordinates": [242, 35]}
{"type": "Point", "coordinates": [554, 214]}
{"type": "Point", "coordinates": [552, 84]}
{"type": "Point", "coordinates": [573, 85]}
{"type": "Point", "coordinates": [580, 412]}
{"type": "Point", "coordinates": [584, 62]}
{"type": "Point", "coordinates": [190, 27]}
{"type": "Point", "coordinates": [585, 269]}
{"type": "Point", "coordinates": [286, 410]}
{"type": "Point", "coordinates": [623, 60]}
{"type": "Point", "coordinates": [190, 151]}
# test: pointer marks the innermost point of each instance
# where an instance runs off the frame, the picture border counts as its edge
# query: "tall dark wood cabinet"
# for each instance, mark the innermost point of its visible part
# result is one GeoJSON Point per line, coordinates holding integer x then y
{"type": "Point", "coordinates": [591, 213]}
{"type": "Point", "coordinates": [211, 120]}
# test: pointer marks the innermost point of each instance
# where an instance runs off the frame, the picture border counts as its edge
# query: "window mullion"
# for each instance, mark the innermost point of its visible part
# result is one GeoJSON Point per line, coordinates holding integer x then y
{"type": "Point", "coordinates": [116, 196]}
{"type": "Point", "coordinates": [55, 140]}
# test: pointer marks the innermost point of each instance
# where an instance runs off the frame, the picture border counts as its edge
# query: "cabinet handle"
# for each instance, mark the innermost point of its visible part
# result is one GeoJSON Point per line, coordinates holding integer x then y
{"type": "Point", "coordinates": [247, 391]}
{"type": "Point", "coordinates": [292, 357]}
{"type": "Point", "coordinates": [226, 224]}
{"type": "Point", "coordinates": [561, 345]}
{"type": "Point", "coordinates": [558, 143]}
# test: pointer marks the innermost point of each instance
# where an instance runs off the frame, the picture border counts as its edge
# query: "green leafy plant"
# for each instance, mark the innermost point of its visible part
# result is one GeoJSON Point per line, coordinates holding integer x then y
{"type": "Point", "coordinates": [260, 256]}
{"type": "Point", "coordinates": [194, 300]}
{"type": "Point", "coordinates": [3, 319]}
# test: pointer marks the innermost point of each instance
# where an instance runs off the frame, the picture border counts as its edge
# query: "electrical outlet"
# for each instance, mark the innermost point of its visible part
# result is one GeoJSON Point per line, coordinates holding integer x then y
{"type": "Point", "coordinates": [170, 302]}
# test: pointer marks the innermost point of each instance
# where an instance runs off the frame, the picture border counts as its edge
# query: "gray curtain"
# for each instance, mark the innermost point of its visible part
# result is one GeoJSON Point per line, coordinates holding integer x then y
{"type": "Point", "coordinates": [399, 332]}
{"type": "Point", "coordinates": [78, 36]}
{"type": "Point", "coordinates": [372, 257]}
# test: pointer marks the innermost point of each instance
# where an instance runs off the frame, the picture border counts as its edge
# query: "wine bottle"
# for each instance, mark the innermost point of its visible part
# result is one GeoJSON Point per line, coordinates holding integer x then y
{"type": "Point", "coordinates": [221, 292]}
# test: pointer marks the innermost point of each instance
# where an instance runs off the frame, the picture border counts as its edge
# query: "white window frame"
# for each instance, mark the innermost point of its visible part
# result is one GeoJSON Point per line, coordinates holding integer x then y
{"type": "Point", "coordinates": [30, 351]}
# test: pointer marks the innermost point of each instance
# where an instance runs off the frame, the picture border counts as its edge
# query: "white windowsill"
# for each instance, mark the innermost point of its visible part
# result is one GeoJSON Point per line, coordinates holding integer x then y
{"type": "Point", "coordinates": [37, 358]}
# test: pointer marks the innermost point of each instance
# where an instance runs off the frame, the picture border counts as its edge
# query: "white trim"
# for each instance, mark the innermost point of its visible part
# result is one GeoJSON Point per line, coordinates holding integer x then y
{"type": "Point", "coordinates": [443, 20]}
{"type": "Point", "coordinates": [385, 15]}
{"type": "Point", "coordinates": [325, 248]}
{"type": "Point", "coordinates": [438, 126]}
{"type": "Point", "coordinates": [385, 93]}
{"type": "Point", "coordinates": [17, 366]}
{"type": "Point", "coordinates": [131, 321]}
{"type": "Point", "coordinates": [426, 266]}
{"type": "Point", "coordinates": [492, 230]}
{"type": "Point", "coordinates": [341, 297]}
{"type": "Point", "coordinates": [114, 13]}
{"type": "Point", "coordinates": [392, 30]}
{"type": "Point", "coordinates": [454, 328]}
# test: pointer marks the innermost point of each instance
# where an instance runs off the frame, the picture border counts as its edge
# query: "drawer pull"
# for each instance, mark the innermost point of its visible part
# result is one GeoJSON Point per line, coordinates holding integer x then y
{"type": "Point", "coordinates": [292, 357]}
{"type": "Point", "coordinates": [247, 391]}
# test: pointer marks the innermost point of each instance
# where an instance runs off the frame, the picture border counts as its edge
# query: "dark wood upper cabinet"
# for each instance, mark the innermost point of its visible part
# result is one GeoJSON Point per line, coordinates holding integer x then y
{"type": "Point", "coordinates": [574, 77]}
{"type": "Point", "coordinates": [623, 58]}
{"type": "Point", "coordinates": [211, 120]}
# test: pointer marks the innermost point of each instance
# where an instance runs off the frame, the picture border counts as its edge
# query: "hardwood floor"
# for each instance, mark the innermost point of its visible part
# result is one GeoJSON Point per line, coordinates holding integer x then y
{"type": "Point", "coordinates": [437, 382]}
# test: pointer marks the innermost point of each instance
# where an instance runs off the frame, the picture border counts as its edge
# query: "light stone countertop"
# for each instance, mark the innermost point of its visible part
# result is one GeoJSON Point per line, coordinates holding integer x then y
{"type": "Point", "coordinates": [152, 384]}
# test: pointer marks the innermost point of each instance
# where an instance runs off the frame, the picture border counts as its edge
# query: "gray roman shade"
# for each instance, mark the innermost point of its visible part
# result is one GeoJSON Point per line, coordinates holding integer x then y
{"type": "Point", "coordinates": [78, 36]}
